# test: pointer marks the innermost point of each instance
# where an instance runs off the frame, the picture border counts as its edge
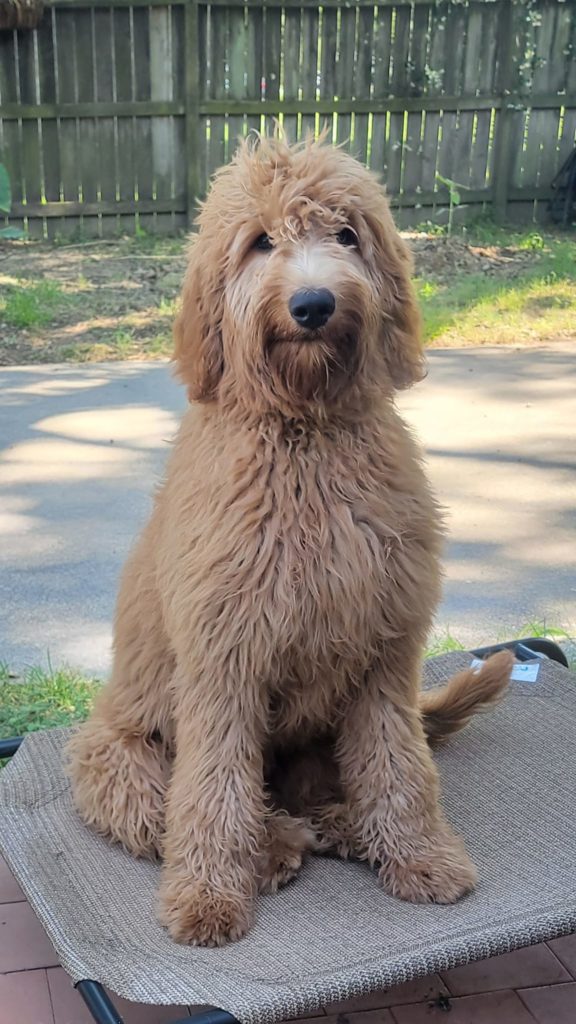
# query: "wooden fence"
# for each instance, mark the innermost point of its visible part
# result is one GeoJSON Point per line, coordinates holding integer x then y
{"type": "Point", "coordinates": [114, 113]}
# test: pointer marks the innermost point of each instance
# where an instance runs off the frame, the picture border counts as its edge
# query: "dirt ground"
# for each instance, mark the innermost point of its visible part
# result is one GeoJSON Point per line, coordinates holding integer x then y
{"type": "Point", "coordinates": [439, 258]}
{"type": "Point", "coordinates": [116, 299]}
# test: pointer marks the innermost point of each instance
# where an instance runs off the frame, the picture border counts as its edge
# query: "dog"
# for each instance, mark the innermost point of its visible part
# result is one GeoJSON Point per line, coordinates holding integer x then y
{"type": "Point", "coordinates": [265, 699]}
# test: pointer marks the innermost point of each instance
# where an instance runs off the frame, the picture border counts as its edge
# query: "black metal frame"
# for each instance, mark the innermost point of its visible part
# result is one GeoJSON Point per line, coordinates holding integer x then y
{"type": "Point", "coordinates": [104, 1012]}
{"type": "Point", "coordinates": [527, 649]}
{"type": "Point", "coordinates": [94, 995]}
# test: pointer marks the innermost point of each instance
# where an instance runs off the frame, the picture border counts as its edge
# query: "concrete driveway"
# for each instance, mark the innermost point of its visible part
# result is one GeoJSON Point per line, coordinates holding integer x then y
{"type": "Point", "coordinates": [82, 448]}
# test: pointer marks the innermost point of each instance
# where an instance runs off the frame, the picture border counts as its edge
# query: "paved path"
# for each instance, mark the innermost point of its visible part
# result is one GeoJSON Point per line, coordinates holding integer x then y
{"type": "Point", "coordinates": [84, 446]}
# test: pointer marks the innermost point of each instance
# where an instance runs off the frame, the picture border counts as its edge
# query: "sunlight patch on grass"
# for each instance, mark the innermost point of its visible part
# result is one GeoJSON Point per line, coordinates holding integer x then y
{"type": "Point", "coordinates": [121, 345]}
{"type": "Point", "coordinates": [537, 305]}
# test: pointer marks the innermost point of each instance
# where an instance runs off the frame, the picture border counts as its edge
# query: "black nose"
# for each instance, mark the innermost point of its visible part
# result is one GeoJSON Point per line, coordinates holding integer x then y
{"type": "Point", "coordinates": [312, 307]}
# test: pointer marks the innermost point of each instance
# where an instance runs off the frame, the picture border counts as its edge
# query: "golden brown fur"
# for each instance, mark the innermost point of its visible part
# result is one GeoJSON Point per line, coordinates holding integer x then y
{"type": "Point", "coordinates": [265, 696]}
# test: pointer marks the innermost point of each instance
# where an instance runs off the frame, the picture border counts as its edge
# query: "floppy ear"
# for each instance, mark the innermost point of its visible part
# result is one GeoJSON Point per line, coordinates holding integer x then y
{"type": "Point", "coordinates": [401, 331]}
{"type": "Point", "coordinates": [197, 329]}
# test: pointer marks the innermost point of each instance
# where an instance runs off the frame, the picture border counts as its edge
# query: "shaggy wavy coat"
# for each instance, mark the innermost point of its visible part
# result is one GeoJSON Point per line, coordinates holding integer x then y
{"type": "Point", "coordinates": [265, 696]}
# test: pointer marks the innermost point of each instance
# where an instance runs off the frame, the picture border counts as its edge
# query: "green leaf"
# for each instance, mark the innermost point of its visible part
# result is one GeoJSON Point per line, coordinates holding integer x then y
{"type": "Point", "coordinates": [455, 196]}
{"type": "Point", "coordinates": [11, 233]}
{"type": "Point", "coordinates": [5, 191]}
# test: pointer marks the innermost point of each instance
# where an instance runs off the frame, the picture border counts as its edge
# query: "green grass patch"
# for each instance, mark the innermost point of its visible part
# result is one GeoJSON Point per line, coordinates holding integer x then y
{"type": "Point", "coordinates": [30, 303]}
{"type": "Point", "coordinates": [43, 699]}
{"type": "Point", "coordinates": [537, 305]}
{"type": "Point", "coordinates": [443, 643]}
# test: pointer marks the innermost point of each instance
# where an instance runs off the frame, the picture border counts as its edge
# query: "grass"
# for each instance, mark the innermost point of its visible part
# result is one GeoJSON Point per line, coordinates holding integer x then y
{"type": "Point", "coordinates": [536, 306]}
{"type": "Point", "coordinates": [116, 299]}
{"type": "Point", "coordinates": [43, 699]}
{"type": "Point", "coordinates": [443, 643]}
{"type": "Point", "coordinates": [26, 304]}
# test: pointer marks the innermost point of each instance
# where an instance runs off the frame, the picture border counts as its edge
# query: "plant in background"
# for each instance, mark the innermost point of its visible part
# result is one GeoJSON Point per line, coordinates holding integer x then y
{"type": "Point", "coordinates": [6, 205]}
{"type": "Point", "coordinates": [454, 197]}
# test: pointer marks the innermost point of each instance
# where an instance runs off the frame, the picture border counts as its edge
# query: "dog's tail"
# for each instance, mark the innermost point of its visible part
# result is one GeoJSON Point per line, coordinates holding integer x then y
{"type": "Point", "coordinates": [446, 709]}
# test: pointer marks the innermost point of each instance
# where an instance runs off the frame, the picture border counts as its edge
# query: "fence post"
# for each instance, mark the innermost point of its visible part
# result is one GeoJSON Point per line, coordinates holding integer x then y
{"type": "Point", "coordinates": [503, 154]}
{"type": "Point", "coordinates": [192, 106]}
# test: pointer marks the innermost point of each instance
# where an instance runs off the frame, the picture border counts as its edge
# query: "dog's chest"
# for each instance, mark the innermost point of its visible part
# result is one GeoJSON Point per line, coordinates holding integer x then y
{"type": "Point", "coordinates": [298, 563]}
{"type": "Point", "coordinates": [334, 551]}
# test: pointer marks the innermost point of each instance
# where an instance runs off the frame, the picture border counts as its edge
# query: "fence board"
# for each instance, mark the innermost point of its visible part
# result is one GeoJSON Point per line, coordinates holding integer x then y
{"type": "Point", "coordinates": [567, 139]}
{"type": "Point", "coordinates": [433, 84]}
{"type": "Point", "coordinates": [481, 149]}
{"type": "Point", "coordinates": [237, 43]}
{"type": "Point", "coordinates": [382, 38]}
{"type": "Point", "coordinates": [309, 65]}
{"type": "Point", "coordinates": [539, 123]}
{"type": "Point", "coordinates": [49, 127]}
{"type": "Point", "coordinates": [328, 63]}
{"type": "Point", "coordinates": [142, 127]}
{"type": "Point", "coordinates": [218, 44]}
{"type": "Point", "coordinates": [87, 128]}
{"type": "Point", "coordinates": [107, 114]}
{"type": "Point", "coordinates": [363, 81]}
{"type": "Point", "coordinates": [291, 69]}
{"type": "Point", "coordinates": [345, 69]}
{"type": "Point", "coordinates": [454, 49]}
{"type": "Point", "coordinates": [415, 122]}
{"type": "Point", "coordinates": [164, 156]}
{"type": "Point", "coordinates": [255, 68]}
{"type": "Point", "coordinates": [399, 82]}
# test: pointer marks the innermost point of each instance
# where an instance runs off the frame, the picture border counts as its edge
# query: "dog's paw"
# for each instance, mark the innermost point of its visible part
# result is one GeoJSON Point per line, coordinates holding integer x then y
{"type": "Point", "coordinates": [198, 914]}
{"type": "Point", "coordinates": [279, 869]}
{"type": "Point", "coordinates": [441, 873]}
{"type": "Point", "coordinates": [287, 841]}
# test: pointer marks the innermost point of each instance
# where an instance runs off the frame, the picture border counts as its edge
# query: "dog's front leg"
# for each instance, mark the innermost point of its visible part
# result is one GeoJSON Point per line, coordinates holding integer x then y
{"type": "Point", "coordinates": [215, 809]}
{"type": "Point", "coordinates": [392, 790]}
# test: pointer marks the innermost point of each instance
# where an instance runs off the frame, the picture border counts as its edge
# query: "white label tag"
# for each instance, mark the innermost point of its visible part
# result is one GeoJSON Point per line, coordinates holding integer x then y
{"type": "Point", "coordinates": [523, 671]}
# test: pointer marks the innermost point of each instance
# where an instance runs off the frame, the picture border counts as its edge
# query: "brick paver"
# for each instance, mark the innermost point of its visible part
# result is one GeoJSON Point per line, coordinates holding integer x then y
{"type": "Point", "coordinates": [565, 950]}
{"type": "Point", "coordinates": [533, 965]}
{"type": "Point", "coordinates": [10, 891]}
{"type": "Point", "coordinates": [552, 1004]}
{"type": "Point", "coordinates": [488, 1008]}
{"type": "Point", "coordinates": [23, 942]}
{"type": "Point", "coordinates": [25, 999]}
{"type": "Point", "coordinates": [536, 985]}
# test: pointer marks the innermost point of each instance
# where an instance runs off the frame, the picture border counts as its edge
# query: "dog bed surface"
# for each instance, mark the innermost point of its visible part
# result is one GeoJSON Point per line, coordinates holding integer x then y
{"type": "Point", "coordinates": [509, 786]}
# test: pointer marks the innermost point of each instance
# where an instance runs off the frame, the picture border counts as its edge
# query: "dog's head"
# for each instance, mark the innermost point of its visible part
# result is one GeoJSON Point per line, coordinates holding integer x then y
{"type": "Point", "coordinates": [298, 287]}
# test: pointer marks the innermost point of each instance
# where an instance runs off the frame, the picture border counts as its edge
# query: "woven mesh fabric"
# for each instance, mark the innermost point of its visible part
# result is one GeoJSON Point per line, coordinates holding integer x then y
{"type": "Point", "coordinates": [509, 783]}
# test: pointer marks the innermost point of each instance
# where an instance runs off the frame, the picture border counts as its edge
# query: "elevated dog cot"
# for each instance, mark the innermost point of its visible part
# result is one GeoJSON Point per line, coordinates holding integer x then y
{"type": "Point", "coordinates": [509, 783]}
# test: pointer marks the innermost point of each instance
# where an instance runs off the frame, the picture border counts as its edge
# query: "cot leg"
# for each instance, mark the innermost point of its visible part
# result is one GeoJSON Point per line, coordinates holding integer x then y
{"type": "Point", "coordinates": [100, 1005]}
{"type": "Point", "coordinates": [104, 1012]}
{"type": "Point", "coordinates": [210, 1016]}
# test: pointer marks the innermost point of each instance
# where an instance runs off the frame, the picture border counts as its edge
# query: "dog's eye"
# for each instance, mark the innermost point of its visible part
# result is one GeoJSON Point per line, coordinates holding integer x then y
{"type": "Point", "coordinates": [263, 243]}
{"type": "Point", "coordinates": [347, 237]}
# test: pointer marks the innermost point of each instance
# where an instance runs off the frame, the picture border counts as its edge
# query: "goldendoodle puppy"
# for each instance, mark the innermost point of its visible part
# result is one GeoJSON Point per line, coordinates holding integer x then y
{"type": "Point", "coordinates": [265, 697]}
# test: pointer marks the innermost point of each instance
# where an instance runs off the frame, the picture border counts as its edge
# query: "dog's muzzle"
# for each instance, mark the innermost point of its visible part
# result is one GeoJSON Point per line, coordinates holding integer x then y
{"type": "Point", "coordinates": [312, 308]}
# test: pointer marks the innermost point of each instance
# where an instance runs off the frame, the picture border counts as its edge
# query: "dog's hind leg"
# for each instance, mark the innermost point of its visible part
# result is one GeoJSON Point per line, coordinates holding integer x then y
{"type": "Point", "coordinates": [305, 782]}
{"type": "Point", "coordinates": [119, 782]}
{"type": "Point", "coordinates": [119, 760]}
